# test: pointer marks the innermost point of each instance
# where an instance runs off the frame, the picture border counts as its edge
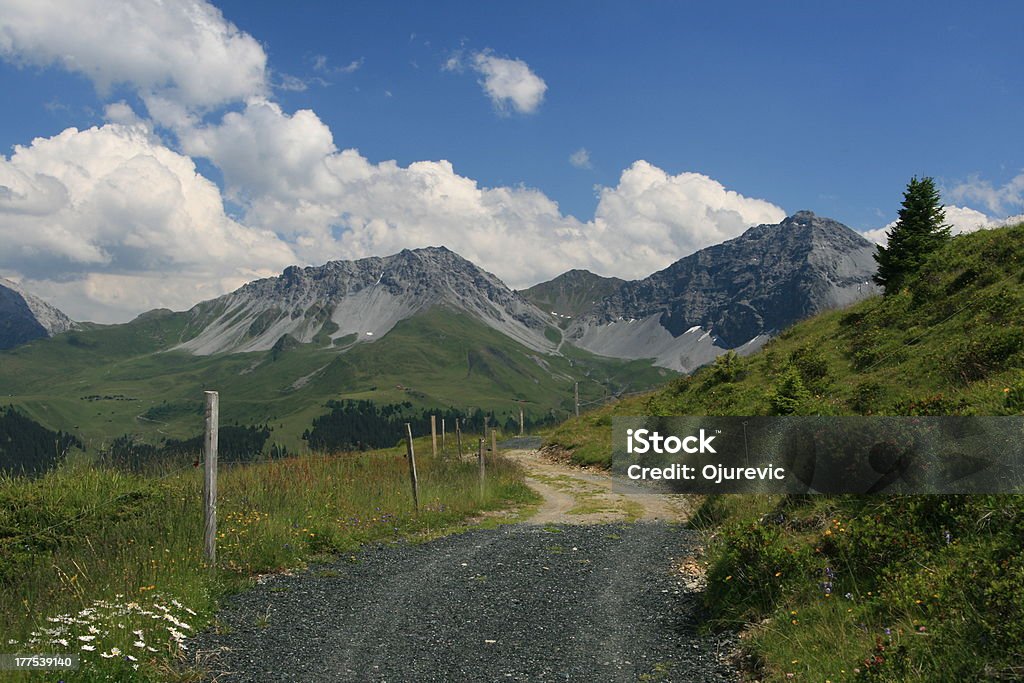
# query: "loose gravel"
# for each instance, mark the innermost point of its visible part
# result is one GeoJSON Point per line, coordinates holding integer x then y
{"type": "Point", "coordinates": [517, 603]}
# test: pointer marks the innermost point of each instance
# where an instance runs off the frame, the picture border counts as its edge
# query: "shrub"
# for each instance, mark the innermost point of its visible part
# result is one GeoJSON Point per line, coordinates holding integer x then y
{"type": "Point", "coordinates": [789, 395]}
{"type": "Point", "coordinates": [811, 365]}
{"type": "Point", "coordinates": [727, 367]}
{"type": "Point", "coordinates": [751, 569]}
{"type": "Point", "coordinates": [990, 351]}
{"type": "Point", "coordinates": [866, 397]}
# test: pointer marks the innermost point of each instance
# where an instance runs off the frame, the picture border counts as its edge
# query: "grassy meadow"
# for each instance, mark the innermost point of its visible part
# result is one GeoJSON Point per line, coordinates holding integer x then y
{"type": "Point", "coordinates": [109, 565]}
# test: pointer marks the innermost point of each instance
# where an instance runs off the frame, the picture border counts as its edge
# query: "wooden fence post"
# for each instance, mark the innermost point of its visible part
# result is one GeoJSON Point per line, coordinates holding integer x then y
{"type": "Point", "coordinates": [411, 455]}
{"type": "Point", "coordinates": [458, 437]}
{"type": "Point", "coordinates": [210, 477]}
{"type": "Point", "coordinates": [480, 461]}
{"type": "Point", "coordinates": [522, 422]}
{"type": "Point", "coordinates": [576, 397]}
{"type": "Point", "coordinates": [443, 434]}
{"type": "Point", "coordinates": [494, 442]}
{"type": "Point", "coordinates": [433, 435]}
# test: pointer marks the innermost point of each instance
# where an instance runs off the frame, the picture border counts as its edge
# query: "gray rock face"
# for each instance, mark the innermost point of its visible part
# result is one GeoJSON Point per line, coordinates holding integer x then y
{"type": "Point", "coordinates": [732, 295]}
{"type": "Point", "coordinates": [360, 301]}
{"type": "Point", "coordinates": [24, 317]}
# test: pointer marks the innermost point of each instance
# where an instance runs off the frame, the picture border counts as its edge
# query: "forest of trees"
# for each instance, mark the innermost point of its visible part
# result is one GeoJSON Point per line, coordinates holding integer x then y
{"type": "Point", "coordinates": [234, 444]}
{"type": "Point", "coordinates": [360, 425]}
{"type": "Point", "coordinates": [27, 447]}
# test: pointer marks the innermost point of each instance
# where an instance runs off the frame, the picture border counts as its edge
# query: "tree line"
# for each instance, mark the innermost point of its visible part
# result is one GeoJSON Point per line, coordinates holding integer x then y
{"type": "Point", "coordinates": [29, 448]}
{"type": "Point", "coordinates": [356, 425]}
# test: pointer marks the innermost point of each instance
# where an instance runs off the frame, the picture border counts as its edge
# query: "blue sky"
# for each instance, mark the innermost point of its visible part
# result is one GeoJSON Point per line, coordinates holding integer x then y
{"type": "Point", "coordinates": [824, 106]}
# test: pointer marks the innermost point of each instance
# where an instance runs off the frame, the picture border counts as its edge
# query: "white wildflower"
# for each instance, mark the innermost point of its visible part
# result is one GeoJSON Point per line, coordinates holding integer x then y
{"type": "Point", "coordinates": [88, 648]}
{"type": "Point", "coordinates": [139, 643]}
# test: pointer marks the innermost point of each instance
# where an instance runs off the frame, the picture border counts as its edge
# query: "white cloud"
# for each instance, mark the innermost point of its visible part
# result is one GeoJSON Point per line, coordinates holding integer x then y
{"type": "Point", "coordinates": [508, 82]}
{"type": "Point", "coordinates": [334, 203]}
{"type": "Point", "coordinates": [182, 53]}
{"type": "Point", "coordinates": [110, 222]}
{"type": "Point", "coordinates": [291, 83]}
{"type": "Point", "coordinates": [961, 219]}
{"type": "Point", "coordinates": [581, 158]}
{"type": "Point", "coordinates": [321, 64]}
{"type": "Point", "coordinates": [121, 112]}
{"type": "Point", "coordinates": [655, 218]}
{"type": "Point", "coordinates": [998, 200]}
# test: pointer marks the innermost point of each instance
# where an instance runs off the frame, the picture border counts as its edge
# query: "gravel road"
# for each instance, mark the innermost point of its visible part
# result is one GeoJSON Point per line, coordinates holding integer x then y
{"type": "Point", "coordinates": [517, 603]}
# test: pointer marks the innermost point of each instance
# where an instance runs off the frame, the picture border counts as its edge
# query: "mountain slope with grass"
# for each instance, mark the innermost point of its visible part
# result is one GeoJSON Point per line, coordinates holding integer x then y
{"type": "Point", "coordinates": [571, 293]}
{"type": "Point", "coordinates": [870, 588]}
{"type": "Point", "coordinates": [127, 379]}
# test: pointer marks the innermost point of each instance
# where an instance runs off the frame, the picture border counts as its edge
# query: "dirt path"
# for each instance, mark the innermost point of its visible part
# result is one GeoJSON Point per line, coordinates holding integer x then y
{"type": "Point", "coordinates": [576, 496]}
{"type": "Point", "coordinates": [596, 586]}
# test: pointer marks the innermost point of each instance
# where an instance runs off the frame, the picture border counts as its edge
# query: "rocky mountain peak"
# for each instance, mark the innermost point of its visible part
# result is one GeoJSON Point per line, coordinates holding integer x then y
{"type": "Point", "coordinates": [24, 317]}
{"type": "Point", "coordinates": [733, 294]}
{"type": "Point", "coordinates": [360, 301]}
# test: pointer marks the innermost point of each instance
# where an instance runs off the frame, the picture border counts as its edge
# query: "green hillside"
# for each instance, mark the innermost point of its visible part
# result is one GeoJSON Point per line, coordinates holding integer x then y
{"type": "Point", "coordinates": [869, 588]}
{"type": "Point", "coordinates": [108, 381]}
{"type": "Point", "coordinates": [952, 342]}
{"type": "Point", "coordinates": [571, 293]}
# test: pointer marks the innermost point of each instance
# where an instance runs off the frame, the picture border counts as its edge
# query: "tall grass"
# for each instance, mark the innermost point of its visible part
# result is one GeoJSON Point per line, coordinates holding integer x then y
{"type": "Point", "coordinates": [111, 563]}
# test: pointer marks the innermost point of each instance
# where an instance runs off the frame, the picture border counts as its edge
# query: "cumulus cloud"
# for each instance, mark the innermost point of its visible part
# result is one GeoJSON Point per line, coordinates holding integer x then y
{"type": "Point", "coordinates": [998, 200]}
{"type": "Point", "coordinates": [961, 219]}
{"type": "Point", "coordinates": [332, 203]}
{"type": "Point", "coordinates": [664, 217]}
{"type": "Point", "coordinates": [581, 158]}
{"type": "Point", "coordinates": [112, 222]}
{"type": "Point", "coordinates": [181, 56]}
{"type": "Point", "coordinates": [510, 83]}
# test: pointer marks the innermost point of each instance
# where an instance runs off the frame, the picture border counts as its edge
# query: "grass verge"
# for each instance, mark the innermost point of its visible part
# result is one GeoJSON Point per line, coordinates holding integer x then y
{"type": "Point", "coordinates": [109, 565]}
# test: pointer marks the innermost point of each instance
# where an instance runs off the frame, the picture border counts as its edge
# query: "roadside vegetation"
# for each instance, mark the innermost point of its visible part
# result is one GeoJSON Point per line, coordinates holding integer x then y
{"type": "Point", "coordinates": [108, 564]}
{"type": "Point", "coordinates": [882, 588]}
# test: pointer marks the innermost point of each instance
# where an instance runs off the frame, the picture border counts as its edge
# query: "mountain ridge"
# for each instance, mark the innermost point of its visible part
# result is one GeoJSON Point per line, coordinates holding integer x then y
{"type": "Point", "coordinates": [731, 295]}
{"type": "Point", "coordinates": [25, 317]}
{"type": "Point", "coordinates": [348, 302]}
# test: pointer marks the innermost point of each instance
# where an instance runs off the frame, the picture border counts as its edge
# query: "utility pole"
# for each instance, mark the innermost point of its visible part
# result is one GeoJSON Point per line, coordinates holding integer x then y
{"type": "Point", "coordinates": [576, 397]}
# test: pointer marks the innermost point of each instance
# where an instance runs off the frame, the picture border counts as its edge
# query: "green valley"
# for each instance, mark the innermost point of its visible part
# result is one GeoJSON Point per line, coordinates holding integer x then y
{"type": "Point", "coordinates": [106, 381]}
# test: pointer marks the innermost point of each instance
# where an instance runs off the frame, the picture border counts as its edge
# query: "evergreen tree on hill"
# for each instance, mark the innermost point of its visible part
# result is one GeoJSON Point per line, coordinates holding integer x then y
{"type": "Point", "coordinates": [920, 230]}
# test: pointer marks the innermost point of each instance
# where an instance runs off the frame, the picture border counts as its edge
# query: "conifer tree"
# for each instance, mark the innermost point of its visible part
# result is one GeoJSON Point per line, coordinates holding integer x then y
{"type": "Point", "coordinates": [920, 230]}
